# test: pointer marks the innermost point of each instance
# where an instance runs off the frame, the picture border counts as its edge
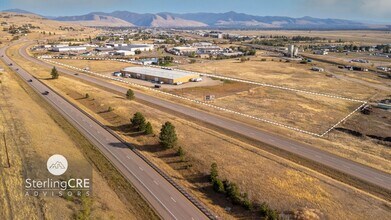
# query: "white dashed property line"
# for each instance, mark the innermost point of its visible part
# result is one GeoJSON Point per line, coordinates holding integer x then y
{"type": "Point", "coordinates": [229, 110]}
{"type": "Point", "coordinates": [234, 79]}
{"type": "Point", "coordinates": [351, 113]}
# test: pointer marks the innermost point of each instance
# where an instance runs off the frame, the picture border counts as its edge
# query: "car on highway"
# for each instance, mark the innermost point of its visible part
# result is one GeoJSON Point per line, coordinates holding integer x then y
{"type": "Point", "coordinates": [158, 86]}
{"type": "Point", "coordinates": [30, 80]}
{"type": "Point", "coordinates": [45, 93]}
{"type": "Point", "coordinates": [10, 64]}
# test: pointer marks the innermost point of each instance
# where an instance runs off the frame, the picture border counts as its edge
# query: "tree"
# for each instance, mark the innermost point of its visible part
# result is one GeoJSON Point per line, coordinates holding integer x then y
{"type": "Point", "coordinates": [130, 94]}
{"type": "Point", "coordinates": [168, 137]}
{"type": "Point", "coordinates": [148, 128]}
{"type": "Point", "coordinates": [54, 73]}
{"type": "Point", "coordinates": [181, 153]}
{"type": "Point", "coordinates": [138, 121]}
{"type": "Point", "coordinates": [87, 95]}
{"type": "Point", "coordinates": [110, 109]}
{"type": "Point", "coordinates": [218, 186]}
{"type": "Point", "coordinates": [213, 172]}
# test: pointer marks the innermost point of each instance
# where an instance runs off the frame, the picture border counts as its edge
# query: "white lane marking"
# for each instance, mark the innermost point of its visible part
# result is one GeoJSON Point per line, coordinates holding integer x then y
{"type": "Point", "coordinates": [155, 182]}
{"type": "Point", "coordinates": [119, 160]}
{"type": "Point", "coordinates": [141, 168]}
{"type": "Point", "coordinates": [318, 156]}
{"type": "Point", "coordinates": [128, 157]}
{"type": "Point", "coordinates": [172, 199]}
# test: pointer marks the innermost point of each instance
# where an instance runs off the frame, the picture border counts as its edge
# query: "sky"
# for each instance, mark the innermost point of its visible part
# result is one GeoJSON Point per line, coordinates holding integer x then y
{"type": "Point", "coordinates": [360, 10]}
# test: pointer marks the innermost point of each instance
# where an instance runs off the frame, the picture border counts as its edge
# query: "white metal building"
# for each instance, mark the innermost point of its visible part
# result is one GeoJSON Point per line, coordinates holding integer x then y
{"type": "Point", "coordinates": [69, 48]}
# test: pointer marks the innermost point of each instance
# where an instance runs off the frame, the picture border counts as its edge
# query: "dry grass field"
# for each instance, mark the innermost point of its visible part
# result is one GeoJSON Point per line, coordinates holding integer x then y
{"type": "Point", "coordinates": [44, 25]}
{"type": "Point", "coordinates": [284, 185]}
{"type": "Point", "coordinates": [29, 140]}
{"type": "Point", "coordinates": [304, 111]}
{"type": "Point", "coordinates": [359, 36]}
{"type": "Point", "coordinates": [102, 66]}
{"type": "Point", "coordinates": [292, 75]}
{"type": "Point", "coordinates": [361, 149]}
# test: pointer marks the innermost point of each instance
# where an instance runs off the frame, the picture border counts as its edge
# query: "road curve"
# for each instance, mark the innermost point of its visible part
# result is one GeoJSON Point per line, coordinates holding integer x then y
{"type": "Point", "coordinates": [162, 195]}
{"type": "Point", "coordinates": [357, 170]}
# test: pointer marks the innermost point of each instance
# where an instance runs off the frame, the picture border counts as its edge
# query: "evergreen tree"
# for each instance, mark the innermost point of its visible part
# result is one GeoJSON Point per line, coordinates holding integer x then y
{"type": "Point", "coordinates": [168, 137]}
{"type": "Point", "coordinates": [148, 128]}
{"type": "Point", "coordinates": [213, 172]}
{"type": "Point", "coordinates": [138, 121]}
{"type": "Point", "coordinates": [54, 73]}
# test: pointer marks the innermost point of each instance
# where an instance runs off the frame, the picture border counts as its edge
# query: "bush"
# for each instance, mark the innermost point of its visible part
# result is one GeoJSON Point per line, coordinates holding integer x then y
{"type": "Point", "coordinates": [180, 152]}
{"type": "Point", "coordinates": [130, 94]}
{"type": "Point", "coordinates": [110, 109]}
{"type": "Point", "coordinates": [267, 212]}
{"type": "Point", "coordinates": [87, 96]}
{"type": "Point", "coordinates": [148, 128]}
{"type": "Point", "coordinates": [168, 137]}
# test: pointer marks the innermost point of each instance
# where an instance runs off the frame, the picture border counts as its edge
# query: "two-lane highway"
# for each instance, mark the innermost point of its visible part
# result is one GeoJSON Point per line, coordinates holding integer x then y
{"type": "Point", "coordinates": [163, 196]}
{"type": "Point", "coordinates": [354, 169]}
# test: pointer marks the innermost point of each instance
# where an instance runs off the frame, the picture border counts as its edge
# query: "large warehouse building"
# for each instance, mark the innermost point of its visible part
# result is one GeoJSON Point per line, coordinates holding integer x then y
{"type": "Point", "coordinates": [159, 75]}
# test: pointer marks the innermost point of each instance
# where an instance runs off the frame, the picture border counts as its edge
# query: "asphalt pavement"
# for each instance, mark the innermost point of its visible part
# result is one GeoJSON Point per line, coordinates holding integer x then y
{"type": "Point", "coordinates": [162, 195]}
{"type": "Point", "coordinates": [346, 166]}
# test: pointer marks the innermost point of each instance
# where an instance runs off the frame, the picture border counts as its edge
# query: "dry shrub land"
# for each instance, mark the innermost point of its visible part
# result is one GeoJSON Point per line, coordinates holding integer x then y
{"type": "Point", "coordinates": [265, 177]}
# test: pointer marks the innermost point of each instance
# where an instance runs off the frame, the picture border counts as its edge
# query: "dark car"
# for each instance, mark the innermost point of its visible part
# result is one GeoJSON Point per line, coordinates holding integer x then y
{"type": "Point", "coordinates": [158, 86]}
{"type": "Point", "coordinates": [30, 80]}
{"type": "Point", "coordinates": [45, 93]}
{"type": "Point", "coordinates": [10, 64]}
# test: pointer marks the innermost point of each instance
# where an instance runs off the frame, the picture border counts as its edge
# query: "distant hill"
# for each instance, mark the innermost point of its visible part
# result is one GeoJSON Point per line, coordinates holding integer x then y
{"type": "Point", "coordinates": [93, 19]}
{"type": "Point", "coordinates": [220, 20]}
{"type": "Point", "coordinates": [141, 20]}
{"type": "Point", "coordinates": [19, 11]}
{"type": "Point", "coordinates": [225, 20]}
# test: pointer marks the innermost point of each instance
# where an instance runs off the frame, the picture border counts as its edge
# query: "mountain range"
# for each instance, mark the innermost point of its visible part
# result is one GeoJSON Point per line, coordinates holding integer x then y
{"type": "Point", "coordinates": [220, 20]}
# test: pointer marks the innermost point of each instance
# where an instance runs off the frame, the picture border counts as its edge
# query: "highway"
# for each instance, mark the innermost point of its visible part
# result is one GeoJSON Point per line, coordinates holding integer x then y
{"type": "Point", "coordinates": [162, 195]}
{"type": "Point", "coordinates": [360, 171]}
{"type": "Point", "coordinates": [363, 172]}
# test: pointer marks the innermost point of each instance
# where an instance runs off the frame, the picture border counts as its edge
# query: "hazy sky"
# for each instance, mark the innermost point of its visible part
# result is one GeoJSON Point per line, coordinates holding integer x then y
{"type": "Point", "coordinates": [369, 10]}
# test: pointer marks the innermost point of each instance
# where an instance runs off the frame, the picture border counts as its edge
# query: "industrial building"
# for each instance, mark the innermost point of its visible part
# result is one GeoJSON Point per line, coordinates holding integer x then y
{"type": "Point", "coordinates": [134, 47]}
{"type": "Point", "coordinates": [68, 48]}
{"type": "Point", "coordinates": [123, 53]}
{"type": "Point", "coordinates": [184, 50]}
{"type": "Point", "coordinates": [159, 75]}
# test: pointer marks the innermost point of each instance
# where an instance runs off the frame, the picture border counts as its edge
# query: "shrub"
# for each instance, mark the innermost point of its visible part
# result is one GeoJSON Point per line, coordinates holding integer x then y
{"type": "Point", "coordinates": [130, 94]}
